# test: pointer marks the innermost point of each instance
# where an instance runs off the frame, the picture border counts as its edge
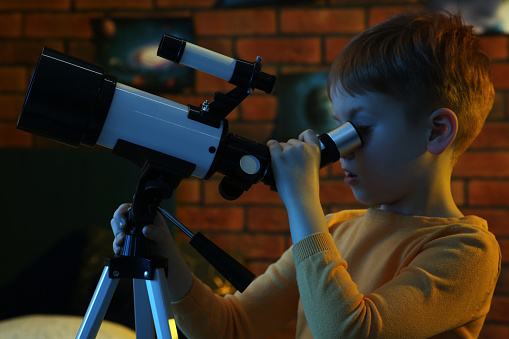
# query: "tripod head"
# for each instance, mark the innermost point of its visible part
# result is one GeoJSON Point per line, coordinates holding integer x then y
{"type": "Point", "coordinates": [161, 174]}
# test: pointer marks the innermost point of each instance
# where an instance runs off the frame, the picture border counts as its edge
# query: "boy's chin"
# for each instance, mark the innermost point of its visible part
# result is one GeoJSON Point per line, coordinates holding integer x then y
{"type": "Point", "coordinates": [365, 198]}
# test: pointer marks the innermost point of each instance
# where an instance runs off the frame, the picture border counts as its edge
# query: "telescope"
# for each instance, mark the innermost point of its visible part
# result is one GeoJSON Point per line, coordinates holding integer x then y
{"type": "Point", "coordinates": [78, 103]}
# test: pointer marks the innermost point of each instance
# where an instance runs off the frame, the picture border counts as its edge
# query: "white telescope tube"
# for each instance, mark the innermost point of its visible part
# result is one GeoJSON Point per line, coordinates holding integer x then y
{"type": "Point", "coordinates": [208, 61]}
{"type": "Point", "coordinates": [241, 73]}
{"type": "Point", "coordinates": [161, 125]}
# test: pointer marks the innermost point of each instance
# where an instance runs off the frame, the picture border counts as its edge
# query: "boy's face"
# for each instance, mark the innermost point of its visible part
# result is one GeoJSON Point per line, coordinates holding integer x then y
{"type": "Point", "coordinates": [390, 167]}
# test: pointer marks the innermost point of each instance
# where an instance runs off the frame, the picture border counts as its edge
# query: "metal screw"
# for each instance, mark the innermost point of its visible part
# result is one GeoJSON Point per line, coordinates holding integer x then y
{"type": "Point", "coordinates": [116, 273]}
{"type": "Point", "coordinates": [258, 59]}
{"type": "Point", "coordinates": [146, 274]}
{"type": "Point", "coordinates": [205, 106]}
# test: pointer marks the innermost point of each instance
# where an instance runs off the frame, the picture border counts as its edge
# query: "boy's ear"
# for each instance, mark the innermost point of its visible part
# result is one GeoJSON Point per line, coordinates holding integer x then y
{"type": "Point", "coordinates": [443, 125]}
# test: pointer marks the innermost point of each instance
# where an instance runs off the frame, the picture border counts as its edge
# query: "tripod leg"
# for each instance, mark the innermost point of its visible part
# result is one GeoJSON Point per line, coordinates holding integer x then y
{"type": "Point", "coordinates": [98, 306]}
{"type": "Point", "coordinates": [161, 308]}
{"type": "Point", "coordinates": [144, 323]}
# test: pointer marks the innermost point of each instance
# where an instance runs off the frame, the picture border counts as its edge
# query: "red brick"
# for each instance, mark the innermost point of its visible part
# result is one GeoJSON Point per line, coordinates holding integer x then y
{"type": "Point", "coordinates": [267, 219]}
{"type": "Point", "coordinates": [458, 191]}
{"type": "Point", "coordinates": [324, 172]}
{"type": "Point", "coordinates": [189, 191]}
{"type": "Point", "coordinates": [500, 75]}
{"type": "Point", "coordinates": [506, 105]}
{"type": "Point", "coordinates": [336, 192]}
{"type": "Point", "coordinates": [211, 218]}
{"type": "Point", "coordinates": [503, 281]}
{"type": "Point", "coordinates": [496, 218]}
{"type": "Point", "coordinates": [10, 25]}
{"type": "Point", "coordinates": [62, 25]}
{"type": "Point", "coordinates": [206, 83]}
{"type": "Point", "coordinates": [235, 22]}
{"type": "Point", "coordinates": [504, 249]}
{"type": "Point", "coordinates": [347, 20]}
{"type": "Point", "coordinates": [259, 132]}
{"type": "Point", "coordinates": [336, 170]}
{"type": "Point", "coordinates": [333, 46]}
{"type": "Point", "coordinates": [25, 51]}
{"type": "Point", "coordinates": [498, 311]}
{"type": "Point", "coordinates": [11, 107]}
{"type": "Point", "coordinates": [113, 4]}
{"type": "Point", "coordinates": [496, 46]}
{"type": "Point", "coordinates": [84, 50]}
{"type": "Point", "coordinates": [281, 50]}
{"type": "Point", "coordinates": [379, 14]}
{"type": "Point", "coordinates": [11, 137]}
{"type": "Point", "coordinates": [488, 193]}
{"type": "Point", "coordinates": [259, 108]}
{"type": "Point", "coordinates": [13, 79]}
{"type": "Point", "coordinates": [492, 331]}
{"type": "Point", "coordinates": [221, 46]}
{"type": "Point", "coordinates": [493, 135]}
{"type": "Point", "coordinates": [499, 107]}
{"type": "Point", "coordinates": [150, 15]}
{"type": "Point", "coordinates": [34, 4]}
{"type": "Point", "coordinates": [186, 3]}
{"type": "Point", "coordinates": [252, 246]}
{"type": "Point", "coordinates": [483, 164]}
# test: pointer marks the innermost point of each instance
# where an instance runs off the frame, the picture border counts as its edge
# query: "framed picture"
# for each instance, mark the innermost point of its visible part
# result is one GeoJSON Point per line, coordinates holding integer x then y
{"type": "Point", "coordinates": [127, 48]}
{"type": "Point", "coordinates": [303, 104]}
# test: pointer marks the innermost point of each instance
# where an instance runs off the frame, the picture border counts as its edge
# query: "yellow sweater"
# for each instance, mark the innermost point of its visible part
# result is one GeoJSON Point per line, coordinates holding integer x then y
{"type": "Point", "coordinates": [376, 274]}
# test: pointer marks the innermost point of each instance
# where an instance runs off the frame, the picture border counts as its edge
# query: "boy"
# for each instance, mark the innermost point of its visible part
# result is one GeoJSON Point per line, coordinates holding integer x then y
{"type": "Point", "coordinates": [419, 89]}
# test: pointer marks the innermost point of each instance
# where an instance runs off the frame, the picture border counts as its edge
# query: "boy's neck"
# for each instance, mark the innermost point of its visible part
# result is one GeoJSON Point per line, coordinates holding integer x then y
{"type": "Point", "coordinates": [434, 198]}
{"type": "Point", "coordinates": [445, 210]}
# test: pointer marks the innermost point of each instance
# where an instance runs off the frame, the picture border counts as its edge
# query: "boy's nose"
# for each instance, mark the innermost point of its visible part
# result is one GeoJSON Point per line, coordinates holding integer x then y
{"type": "Point", "coordinates": [349, 155]}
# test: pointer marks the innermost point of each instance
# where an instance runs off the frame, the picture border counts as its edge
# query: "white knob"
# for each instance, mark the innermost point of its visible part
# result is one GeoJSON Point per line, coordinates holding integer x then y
{"type": "Point", "coordinates": [249, 164]}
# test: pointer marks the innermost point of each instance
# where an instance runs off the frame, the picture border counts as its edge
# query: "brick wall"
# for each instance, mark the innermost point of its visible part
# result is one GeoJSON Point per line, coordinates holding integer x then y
{"type": "Point", "coordinates": [289, 38]}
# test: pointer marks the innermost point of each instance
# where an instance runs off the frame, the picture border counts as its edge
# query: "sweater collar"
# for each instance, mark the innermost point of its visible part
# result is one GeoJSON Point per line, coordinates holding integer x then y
{"type": "Point", "coordinates": [399, 220]}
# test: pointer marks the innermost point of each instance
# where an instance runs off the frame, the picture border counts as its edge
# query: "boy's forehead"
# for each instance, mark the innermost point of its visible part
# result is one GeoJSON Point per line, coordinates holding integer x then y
{"type": "Point", "coordinates": [347, 106]}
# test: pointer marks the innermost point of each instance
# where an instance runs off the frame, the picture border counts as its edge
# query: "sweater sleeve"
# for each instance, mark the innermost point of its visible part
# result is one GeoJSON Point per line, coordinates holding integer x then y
{"type": "Point", "coordinates": [447, 284]}
{"type": "Point", "coordinates": [268, 303]}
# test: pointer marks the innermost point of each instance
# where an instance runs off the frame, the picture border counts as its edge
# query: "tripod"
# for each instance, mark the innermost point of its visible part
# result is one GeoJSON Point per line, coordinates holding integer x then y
{"type": "Point", "coordinates": [161, 174]}
{"type": "Point", "coordinates": [136, 261]}
{"type": "Point", "coordinates": [150, 293]}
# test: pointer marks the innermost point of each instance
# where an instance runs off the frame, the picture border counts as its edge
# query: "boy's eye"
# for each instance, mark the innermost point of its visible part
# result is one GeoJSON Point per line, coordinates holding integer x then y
{"type": "Point", "coordinates": [364, 132]}
{"type": "Point", "coordinates": [363, 127]}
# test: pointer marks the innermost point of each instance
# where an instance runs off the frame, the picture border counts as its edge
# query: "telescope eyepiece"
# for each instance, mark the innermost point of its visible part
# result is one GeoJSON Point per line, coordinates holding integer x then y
{"type": "Point", "coordinates": [171, 48]}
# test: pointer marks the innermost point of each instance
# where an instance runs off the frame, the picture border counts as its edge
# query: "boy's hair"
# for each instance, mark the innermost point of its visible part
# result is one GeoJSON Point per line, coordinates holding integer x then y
{"type": "Point", "coordinates": [426, 60]}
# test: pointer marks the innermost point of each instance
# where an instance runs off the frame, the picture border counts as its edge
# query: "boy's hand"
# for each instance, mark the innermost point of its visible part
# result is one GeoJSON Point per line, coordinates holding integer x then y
{"type": "Point", "coordinates": [158, 232]}
{"type": "Point", "coordinates": [296, 165]}
{"type": "Point", "coordinates": [180, 280]}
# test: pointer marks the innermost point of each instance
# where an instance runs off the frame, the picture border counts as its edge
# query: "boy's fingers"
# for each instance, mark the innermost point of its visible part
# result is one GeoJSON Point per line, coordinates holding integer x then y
{"type": "Point", "coordinates": [275, 147]}
{"type": "Point", "coordinates": [119, 219]}
{"type": "Point", "coordinates": [118, 243]}
{"type": "Point", "coordinates": [121, 211]}
{"type": "Point", "coordinates": [150, 232]}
